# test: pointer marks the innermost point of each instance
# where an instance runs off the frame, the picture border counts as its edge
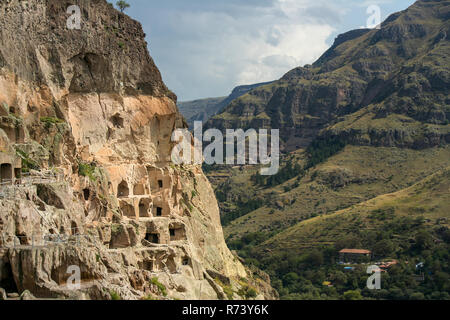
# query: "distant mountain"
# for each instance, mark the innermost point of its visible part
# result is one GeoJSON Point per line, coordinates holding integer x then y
{"type": "Point", "coordinates": [387, 86]}
{"type": "Point", "coordinates": [203, 109]}
{"type": "Point", "coordinates": [366, 138]}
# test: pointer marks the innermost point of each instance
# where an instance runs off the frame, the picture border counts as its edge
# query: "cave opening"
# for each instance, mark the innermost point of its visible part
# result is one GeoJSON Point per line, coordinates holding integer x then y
{"type": "Point", "coordinates": [127, 210]}
{"type": "Point", "coordinates": [122, 190]}
{"type": "Point", "coordinates": [7, 278]}
{"type": "Point", "coordinates": [86, 194]}
{"type": "Point", "coordinates": [6, 172]}
{"type": "Point", "coordinates": [185, 261]}
{"type": "Point", "coordinates": [117, 121]}
{"type": "Point", "coordinates": [177, 232]}
{"type": "Point", "coordinates": [143, 208]}
{"type": "Point", "coordinates": [74, 228]}
{"type": "Point", "coordinates": [146, 265]}
{"type": "Point", "coordinates": [152, 237]}
{"type": "Point", "coordinates": [18, 173]}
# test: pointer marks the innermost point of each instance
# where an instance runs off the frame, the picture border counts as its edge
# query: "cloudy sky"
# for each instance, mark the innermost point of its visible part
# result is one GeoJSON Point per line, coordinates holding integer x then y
{"type": "Point", "coordinates": [204, 48]}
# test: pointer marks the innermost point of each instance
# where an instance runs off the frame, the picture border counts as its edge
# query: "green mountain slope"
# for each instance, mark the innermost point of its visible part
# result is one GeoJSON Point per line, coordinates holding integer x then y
{"type": "Point", "coordinates": [398, 74]}
{"type": "Point", "coordinates": [430, 199]}
{"type": "Point", "coordinates": [411, 226]}
{"type": "Point", "coordinates": [368, 122]}
{"type": "Point", "coordinates": [356, 174]}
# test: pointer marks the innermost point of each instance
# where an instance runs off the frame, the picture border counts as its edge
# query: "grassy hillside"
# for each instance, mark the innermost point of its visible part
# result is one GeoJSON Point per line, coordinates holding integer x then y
{"type": "Point", "coordinates": [354, 175]}
{"type": "Point", "coordinates": [365, 138]}
{"type": "Point", "coordinates": [429, 199]}
{"type": "Point", "coordinates": [411, 226]}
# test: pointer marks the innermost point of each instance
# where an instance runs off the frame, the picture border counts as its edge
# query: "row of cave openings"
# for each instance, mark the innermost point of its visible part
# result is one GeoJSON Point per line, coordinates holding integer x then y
{"type": "Point", "coordinates": [177, 232]}
{"type": "Point", "coordinates": [153, 195]}
{"type": "Point", "coordinates": [148, 207]}
{"type": "Point", "coordinates": [157, 264]}
{"type": "Point", "coordinates": [123, 191]}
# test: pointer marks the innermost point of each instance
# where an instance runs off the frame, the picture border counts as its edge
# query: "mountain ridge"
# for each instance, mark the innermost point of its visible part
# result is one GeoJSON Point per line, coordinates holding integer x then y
{"type": "Point", "coordinates": [203, 109]}
{"type": "Point", "coordinates": [369, 118]}
{"type": "Point", "coordinates": [356, 74]}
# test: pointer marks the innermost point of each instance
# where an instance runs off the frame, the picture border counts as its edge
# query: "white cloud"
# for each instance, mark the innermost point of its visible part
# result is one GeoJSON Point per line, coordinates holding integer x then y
{"type": "Point", "coordinates": [261, 45]}
{"type": "Point", "coordinates": [295, 45]}
{"type": "Point", "coordinates": [206, 47]}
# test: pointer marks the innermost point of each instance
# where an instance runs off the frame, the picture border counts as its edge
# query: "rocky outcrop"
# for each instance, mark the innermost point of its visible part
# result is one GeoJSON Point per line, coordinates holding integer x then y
{"type": "Point", "coordinates": [365, 89]}
{"type": "Point", "coordinates": [88, 185]}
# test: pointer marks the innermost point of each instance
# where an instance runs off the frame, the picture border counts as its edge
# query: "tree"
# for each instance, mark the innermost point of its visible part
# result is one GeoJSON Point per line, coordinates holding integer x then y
{"type": "Point", "coordinates": [417, 296]}
{"type": "Point", "coordinates": [290, 278]}
{"type": "Point", "coordinates": [315, 258]}
{"type": "Point", "coordinates": [383, 248]}
{"type": "Point", "coordinates": [424, 240]}
{"type": "Point", "coordinates": [339, 278]}
{"type": "Point", "coordinates": [352, 295]}
{"type": "Point", "coordinates": [122, 5]}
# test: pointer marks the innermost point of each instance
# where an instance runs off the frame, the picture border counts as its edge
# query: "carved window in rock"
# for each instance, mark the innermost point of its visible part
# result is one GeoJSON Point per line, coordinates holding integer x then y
{"type": "Point", "coordinates": [86, 194]}
{"type": "Point", "coordinates": [7, 279]}
{"type": "Point", "coordinates": [74, 228]}
{"type": "Point", "coordinates": [146, 265]}
{"type": "Point", "coordinates": [122, 190]}
{"type": "Point", "coordinates": [185, 261]}
{"type": "Point", "coordinates": [144, 206]}
{"type": "Point", "coordinates": [6, 172]}
{"type": "Point", "coordinates": [177, 232]}
{"type": "Point", "coordinates": [152, 237]}
{"type": "Point", "coordinates": [127, 210]}
{"type": "Point", "coordinates": [117, 121]}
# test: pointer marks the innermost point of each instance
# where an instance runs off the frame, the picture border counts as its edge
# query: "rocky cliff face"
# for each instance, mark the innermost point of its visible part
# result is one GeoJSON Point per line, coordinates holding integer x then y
{"type": "Point", "coordinates": [386, 87]}
{"type": "Point", "coordinates": [87, 181]}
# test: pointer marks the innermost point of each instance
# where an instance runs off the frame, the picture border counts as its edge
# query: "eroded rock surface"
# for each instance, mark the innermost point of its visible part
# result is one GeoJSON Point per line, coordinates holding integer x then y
{"type": "Point", "coordinates": [87, 181]}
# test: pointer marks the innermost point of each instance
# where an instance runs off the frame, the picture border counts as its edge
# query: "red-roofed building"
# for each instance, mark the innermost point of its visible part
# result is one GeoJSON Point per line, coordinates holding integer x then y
{"type": "Point", "coordinates": [352, 255]}
{"type": "Point", "coordinates": [387, 265]}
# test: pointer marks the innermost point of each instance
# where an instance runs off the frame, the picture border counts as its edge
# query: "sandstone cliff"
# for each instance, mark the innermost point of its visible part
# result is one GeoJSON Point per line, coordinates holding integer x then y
{"type": "Point", "coordinates": [87, 181]}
